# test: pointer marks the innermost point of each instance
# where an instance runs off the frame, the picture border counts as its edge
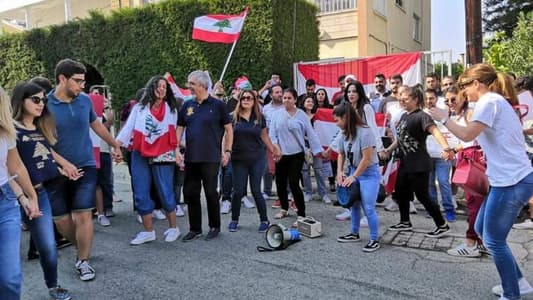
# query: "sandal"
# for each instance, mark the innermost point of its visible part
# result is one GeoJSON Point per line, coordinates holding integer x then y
{"type": "Point", "coordinates": [282, 214]}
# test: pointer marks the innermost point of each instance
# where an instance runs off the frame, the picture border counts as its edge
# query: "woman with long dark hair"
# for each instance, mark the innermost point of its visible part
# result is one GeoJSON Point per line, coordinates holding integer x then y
{"type": "Point", "coordinates": [15, 185]}
{"type": "Point", "coordinates": [35, 135]}
{"type": "Point", "coordinates": [358, 149]}
{"type": "Point", "coordinates": [321, 97]}
{"type": "Point", "coordinates": [250, 141]}
{"type": "Point", "coordinates": [151, 130]}
{"type": "Point", "coordinates": [497, 128]}
{"type": "Point", "coordinates": [415, 163]}
{"type": "Point", "coordinates": [288, 129]}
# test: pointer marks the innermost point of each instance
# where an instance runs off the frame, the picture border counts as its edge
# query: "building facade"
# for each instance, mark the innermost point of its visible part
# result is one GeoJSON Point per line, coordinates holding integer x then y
{"type": "Point", "coordinates": [359, 28]}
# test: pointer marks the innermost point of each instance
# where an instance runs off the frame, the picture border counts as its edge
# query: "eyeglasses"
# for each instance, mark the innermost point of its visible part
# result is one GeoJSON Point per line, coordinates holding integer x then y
{"type": "Point", "coordinates": [247, 98]}
{"type": "Point", "coordinates": [450, 101]}
{"type": "Point", "coordinates": [465, 84]}
{"type": "Point", "coordinates": [37, 99]}
{"type": "Point", "coordinates": [79, 81]}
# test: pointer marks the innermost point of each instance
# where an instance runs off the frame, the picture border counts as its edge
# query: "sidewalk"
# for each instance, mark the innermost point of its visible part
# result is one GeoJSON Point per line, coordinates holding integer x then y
{"type": "Point", "coordinates": [230, 267]}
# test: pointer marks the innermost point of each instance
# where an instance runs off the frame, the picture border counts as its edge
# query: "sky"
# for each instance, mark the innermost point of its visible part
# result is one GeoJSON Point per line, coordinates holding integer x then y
{"type": "Point", "coordinates": [448, 26]}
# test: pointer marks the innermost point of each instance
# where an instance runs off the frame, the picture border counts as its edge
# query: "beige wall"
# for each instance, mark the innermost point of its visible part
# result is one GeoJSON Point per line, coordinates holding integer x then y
{"type": "Point", "coordinates": [339, 35]}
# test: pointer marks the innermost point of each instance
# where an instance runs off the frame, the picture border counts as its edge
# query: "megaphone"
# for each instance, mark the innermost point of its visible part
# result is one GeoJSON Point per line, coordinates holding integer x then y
{"type": "Point", "coordinates": [278, 237]}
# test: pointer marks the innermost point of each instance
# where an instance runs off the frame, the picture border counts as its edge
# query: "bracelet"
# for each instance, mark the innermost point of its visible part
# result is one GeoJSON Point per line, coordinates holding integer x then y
{"type": "Point", "coordinates": [448, 149]}
{"type": "Point", "coordinates": [20, 196]}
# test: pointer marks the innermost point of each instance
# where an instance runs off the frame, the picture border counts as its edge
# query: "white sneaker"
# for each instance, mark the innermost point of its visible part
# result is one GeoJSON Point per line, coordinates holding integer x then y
{"type": "Point", "coordinates": [225, 207]}
{"type": "Point", "coordinates": [103, 220]}
{"type": "Point", "coordinates": [392, 206]}
{"type": "Point", "coordinates": [143, 237]}
{"type": "Point", "coordinates": [265, 196]}
{"type": "Point", "coordinates": [247, 202]}
{"type": "Point", "coordinates": [523, 285]}
{"type": "Point", "coordinates": [172, 234]}
{"type": "Point", "coordinates": [386, 201]}
{"type": "Point", "coordinates": [179, 211]}
{"type": "Point", "coordinates": [527, 224]}
{"type": "Point", "coordinates": [464, 250]}
{"type": "Point", "coordinates": [307, 197]}
{"type": "Point", "coordinates": [139, 219]}
{"type": "Point", "coordinates": [412, 208]}
{"type": "Point", "coordinates": [326, 199]}
{"type": "Point", "coordinates": [158, 214]}
{"type": "Point", "coordinates": [345, 215]}
{"type": "Point", "coordinates": [363, 222]}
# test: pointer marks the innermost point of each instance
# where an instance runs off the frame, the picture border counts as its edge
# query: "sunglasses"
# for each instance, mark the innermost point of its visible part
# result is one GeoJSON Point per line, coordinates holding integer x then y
{"type": "Point", "coordinates": [247, 98]}
{"type": "Point", "coordinates": [37, 99]}
{"type": "Point", "coordinates": [450, 101]}
{"type": "Point", "coordinates": [78, 80]}
{"type": "Point", "coordinates": [465, 84]}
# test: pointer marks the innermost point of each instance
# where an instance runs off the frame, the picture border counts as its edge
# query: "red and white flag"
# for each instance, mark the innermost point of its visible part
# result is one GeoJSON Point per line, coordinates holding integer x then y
{"type": "Point", "coordinates": [325, 74]}
{"type": "Point", "coordinates": [98, 107]}
{"type": "Point", "coordinates": [219, 28]}
{"type": "Point", "coordinates": [326, 129]}
{"type": "Point", "coordinates": [176, 90]}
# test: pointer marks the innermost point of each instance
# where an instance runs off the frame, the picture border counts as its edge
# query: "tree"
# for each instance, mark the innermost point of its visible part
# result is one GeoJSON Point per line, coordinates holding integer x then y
{"type": "Point", "coordinates": [502, 15]}
{"type": "Point", "coordinates": [222, 24]}
{"type": "Point", "coordinates": [513, 54]}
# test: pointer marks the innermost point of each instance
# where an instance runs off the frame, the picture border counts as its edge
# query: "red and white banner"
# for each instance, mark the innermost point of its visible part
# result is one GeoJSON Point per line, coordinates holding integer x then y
{"type": "Point", "coordinates": [218, 28]}
{"type": "Point", "coordinates": [326, 74]}
{"type": "Point", "coordinates": [176, 90]}
{"type": "Point", "coordinates": [325, 128]}
{"type": "Point", "coordinates": [98, 106]}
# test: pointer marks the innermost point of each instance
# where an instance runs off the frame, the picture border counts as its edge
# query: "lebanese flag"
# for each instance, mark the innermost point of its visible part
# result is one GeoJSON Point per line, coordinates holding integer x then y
{"type": "Point", "coordinates": [325, 74]}
{"type": "Point", "coordinates": [390, 174]}
{"type": "Point", "coordinates": [219, 28]}
{"type": "Point", "coordinates": [326, 129]}
{"type": "Point", "coordinates": [98, 107]}
{"type": "Point", "coordinates": [176, 90]}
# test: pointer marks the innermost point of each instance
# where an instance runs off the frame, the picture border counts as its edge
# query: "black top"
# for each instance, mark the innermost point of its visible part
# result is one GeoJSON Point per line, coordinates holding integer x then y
{"type": "Point", "coordinates": [204, 125]}
{"type": "Point", "coordinates": [247, 143]}
{"type": "Point", "coordinates": [412, 133]}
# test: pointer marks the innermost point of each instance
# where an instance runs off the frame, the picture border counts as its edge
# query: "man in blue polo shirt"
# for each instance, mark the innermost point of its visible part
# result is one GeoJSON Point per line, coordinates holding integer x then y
{"type": "Point", "coordinates": [72, 201]}
{"type": "Point", "coordinates": [206, 120]}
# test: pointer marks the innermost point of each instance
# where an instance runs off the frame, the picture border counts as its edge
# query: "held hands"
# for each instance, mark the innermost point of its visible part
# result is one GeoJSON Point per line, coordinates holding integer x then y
{"type": "Point", "coordinates": [179, 158]}
{"type": "Point", "coordinates": [383, 154]}
{"type": "Point", "coordinates": [116, 153]}
{"type": "Point", "coordinates": [31, 207]}
{"type": "Point", "coordinates": [70, 171]}
{"type": "Point", "coordinates": [225, 158]}
{"type": "Point", "coordinates": [276, 153]}
{"type": "Point", "coordinates": [448, 154]}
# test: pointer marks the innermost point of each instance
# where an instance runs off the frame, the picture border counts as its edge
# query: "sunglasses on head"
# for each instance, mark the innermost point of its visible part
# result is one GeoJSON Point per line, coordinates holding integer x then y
{"type": "Point", "coordinates": [37, 99]}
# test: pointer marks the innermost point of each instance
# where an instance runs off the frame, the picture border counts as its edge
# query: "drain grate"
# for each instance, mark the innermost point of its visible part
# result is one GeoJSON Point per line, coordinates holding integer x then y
{"type": "Point", "coordinates": [417, 240]}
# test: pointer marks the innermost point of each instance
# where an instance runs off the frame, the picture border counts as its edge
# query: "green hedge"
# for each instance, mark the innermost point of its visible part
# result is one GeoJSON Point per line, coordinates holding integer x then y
{"type": "Point", "coordinates": [129, 46]}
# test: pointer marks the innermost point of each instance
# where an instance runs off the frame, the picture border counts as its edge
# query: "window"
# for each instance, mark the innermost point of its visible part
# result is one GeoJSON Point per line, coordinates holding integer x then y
{"type": "Point", "coordinates": [399, 3]}
{"type": "Point", "coordinates": [417, 28]}
{"type": "Point", "coordinates": [330, 6]}
{"type": "Point", "coordinates": [380, 7]}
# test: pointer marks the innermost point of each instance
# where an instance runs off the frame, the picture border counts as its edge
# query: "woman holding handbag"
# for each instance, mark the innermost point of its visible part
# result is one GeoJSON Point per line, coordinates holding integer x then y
{"type": "Point", "coordinates": [152, 125]}
{"type": "Point", "coordinates": [357, 146]}
{"type": "Point", "coordinates": [498, 130]}
{"type": "Point", "coordinates": [288, 129]}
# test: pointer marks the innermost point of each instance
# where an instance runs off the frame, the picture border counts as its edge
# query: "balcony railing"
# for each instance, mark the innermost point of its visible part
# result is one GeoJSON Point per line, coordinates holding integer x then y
{"type": "Point", "coordinates": [331, 6]}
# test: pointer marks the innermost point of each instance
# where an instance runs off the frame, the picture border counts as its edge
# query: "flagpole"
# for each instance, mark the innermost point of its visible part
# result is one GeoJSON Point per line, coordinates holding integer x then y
{"type": "Point", "coordinates": [233, 47]}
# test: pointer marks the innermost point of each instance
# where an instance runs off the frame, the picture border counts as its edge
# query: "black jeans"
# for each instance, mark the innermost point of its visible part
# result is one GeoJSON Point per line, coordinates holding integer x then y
{"type": "Point", "coordinates": [105, 179]}
{"type": "Point", "coordinates": [196, 175]}
{"type": "Point", "coordinates": [417, 183]}
{"type": "Point", "coordinates": [290, 167]}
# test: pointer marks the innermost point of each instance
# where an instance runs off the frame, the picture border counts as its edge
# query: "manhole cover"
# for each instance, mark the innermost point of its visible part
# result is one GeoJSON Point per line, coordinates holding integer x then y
{"type": "Point", "coordinates": [417, 240]}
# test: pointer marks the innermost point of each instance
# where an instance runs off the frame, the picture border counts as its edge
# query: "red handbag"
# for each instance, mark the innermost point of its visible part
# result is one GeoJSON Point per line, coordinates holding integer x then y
{"type": "Point", "coordinates": [470, 172]}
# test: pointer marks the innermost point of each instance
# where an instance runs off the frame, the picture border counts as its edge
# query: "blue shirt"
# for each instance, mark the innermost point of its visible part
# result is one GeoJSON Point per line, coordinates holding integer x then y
{"type": "Point", "coordinates": [35, 152]}
{"type": "Point", "coordinates": [205, 128]}
{"type": "Point", "coordinates": [73, 121]}
{"type": "Point", "coordinates": [247, 142]}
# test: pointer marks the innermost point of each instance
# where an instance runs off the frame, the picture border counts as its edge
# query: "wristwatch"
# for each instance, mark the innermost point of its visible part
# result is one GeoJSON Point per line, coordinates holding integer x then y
{"type": "Point", "coordinates": [443, 121]}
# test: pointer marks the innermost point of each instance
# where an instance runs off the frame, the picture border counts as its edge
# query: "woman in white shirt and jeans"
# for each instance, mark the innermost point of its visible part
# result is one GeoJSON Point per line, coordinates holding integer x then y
{"type": "Point", "coordinates": [497, 129]}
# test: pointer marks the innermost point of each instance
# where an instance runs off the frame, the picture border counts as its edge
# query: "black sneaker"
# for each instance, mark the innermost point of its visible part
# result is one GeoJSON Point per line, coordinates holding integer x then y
{"type": "Point", "coordinates": [59, 293]}
{"type": "Point", "coordinates": [401, 227]}
{"type": "Point", "coordinates": [191, 236]}
{"type": "Point", "coordinates": [439, 231]}
{"type": "Point", "coordinates": [213, 233]}
{"type": "Point", "coordinates": [332, 187]}
{"type": "Point", "coordinates": [62, 243]}
{"type": "Point", "coordinates": [33, 255]}
{"type": "Point", "coordinates": [86, 271]}
{"type": "Point", "coordinates": [371, 246]}
{"type": "Point", "coordinates": [349, 238]}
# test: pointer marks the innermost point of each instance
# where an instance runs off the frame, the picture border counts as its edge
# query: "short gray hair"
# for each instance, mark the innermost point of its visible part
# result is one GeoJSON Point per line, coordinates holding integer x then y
{"type": "Point", "coordinates": [201, 77]}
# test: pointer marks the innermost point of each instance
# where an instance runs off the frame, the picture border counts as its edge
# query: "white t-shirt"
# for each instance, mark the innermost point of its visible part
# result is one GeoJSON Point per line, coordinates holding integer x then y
{"type": "Point", "coordinates": [526, 99]}
{"type": "Point", "coordinates": [502, 141]}
{"type": "Point", "coordinates": [5, 145]}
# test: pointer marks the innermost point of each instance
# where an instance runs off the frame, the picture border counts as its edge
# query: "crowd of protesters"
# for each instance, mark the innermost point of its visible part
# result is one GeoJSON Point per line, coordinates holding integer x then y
{"type": "Point", "coordinates": [229, 145]}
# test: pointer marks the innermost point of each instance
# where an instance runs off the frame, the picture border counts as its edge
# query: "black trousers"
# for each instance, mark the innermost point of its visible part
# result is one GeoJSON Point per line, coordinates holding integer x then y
{"type": "Point", "coordinates": [196, 176]}
{"type": "Point", "coordinates": [289, 167]}
{"type": "Point", "coordinates": [417, 183]}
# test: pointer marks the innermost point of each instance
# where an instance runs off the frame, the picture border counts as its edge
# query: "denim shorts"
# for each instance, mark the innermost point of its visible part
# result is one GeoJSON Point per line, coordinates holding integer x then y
{"type": "Point", "coordinates": [68, 196]}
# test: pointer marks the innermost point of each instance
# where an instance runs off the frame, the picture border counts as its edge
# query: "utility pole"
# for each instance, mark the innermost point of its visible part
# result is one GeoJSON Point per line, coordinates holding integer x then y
{"type": "Point", "coordinates": [474, 39]}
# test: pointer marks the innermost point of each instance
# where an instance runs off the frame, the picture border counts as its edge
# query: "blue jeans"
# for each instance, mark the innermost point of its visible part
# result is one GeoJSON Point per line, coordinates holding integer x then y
{"type": "Point", "coordinates": [369, 182]}
{"type": "Point", "coordinates": [441, 169]}
{"type": "Point", "coordinates": [68, 196]}
{"type": "Point", "coordinates": [11, 274]}
{"type": "Point", "coordinates": [494, 221]}
{"type": "Point", "coordinates": [318, 166]}
{"type": "Point", "coordinates": [42, 231]}
{"type": "Point", "coordinates": [143, 174]}
{"type": "Point", "coordinates": [241, 171]}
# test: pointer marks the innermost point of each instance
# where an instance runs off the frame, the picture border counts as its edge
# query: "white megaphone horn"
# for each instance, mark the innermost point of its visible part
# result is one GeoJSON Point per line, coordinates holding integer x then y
{"type": "Point", "coordinates": [278, 237]}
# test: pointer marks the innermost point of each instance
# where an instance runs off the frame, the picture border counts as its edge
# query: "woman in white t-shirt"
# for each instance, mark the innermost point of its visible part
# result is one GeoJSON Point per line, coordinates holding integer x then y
{"type": "Point", "coordinates": [15, 185]}
{"type": "Point", "coordinates": [497, 129]}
